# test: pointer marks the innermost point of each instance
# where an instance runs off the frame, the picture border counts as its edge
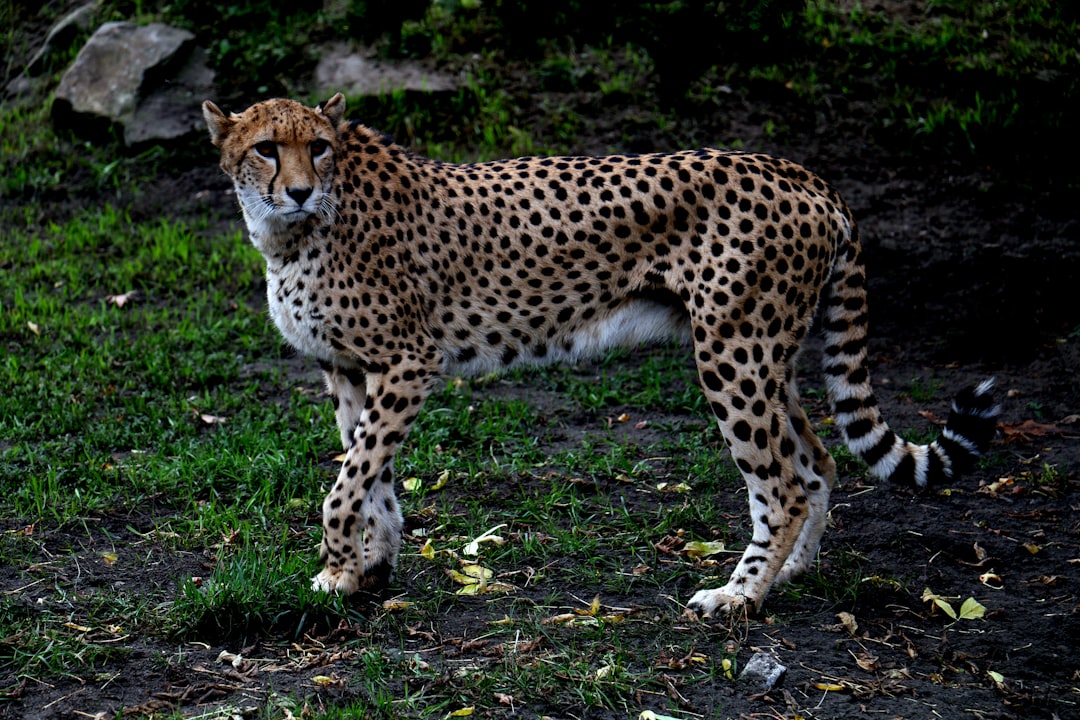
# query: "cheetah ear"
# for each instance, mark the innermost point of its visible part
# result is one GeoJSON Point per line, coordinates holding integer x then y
{"type": "Point", "coordinates": [334, 109]}
{"type": "Point", "coordinates": [218, 123]}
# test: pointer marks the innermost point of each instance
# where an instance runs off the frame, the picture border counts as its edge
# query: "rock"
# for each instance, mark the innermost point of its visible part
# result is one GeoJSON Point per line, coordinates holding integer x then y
{"type": "Point", "coordinates": [762, 671]}
{"type": "Point", "coordinates": [147, 79]}
{"type": "Point", "coordinates": [342, 70]}
{"type": "Point", "coordinates": [62, 34]}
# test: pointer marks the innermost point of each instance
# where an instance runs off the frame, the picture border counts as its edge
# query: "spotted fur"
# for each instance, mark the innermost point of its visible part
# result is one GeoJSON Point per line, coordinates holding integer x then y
{"type": "Point", "coordinates": [393, 269]}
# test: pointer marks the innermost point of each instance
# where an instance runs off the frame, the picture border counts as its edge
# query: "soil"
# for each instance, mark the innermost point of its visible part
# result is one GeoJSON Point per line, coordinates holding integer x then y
{"type": "Point", "coordinates": [972, 275]}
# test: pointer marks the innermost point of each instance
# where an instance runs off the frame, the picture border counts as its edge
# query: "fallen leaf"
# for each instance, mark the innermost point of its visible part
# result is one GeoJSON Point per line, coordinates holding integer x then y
{"type": "Point", "coordinates": [392, 605]}
{"type": "Point", "coordinates": [992, 580]}
{"type": "Point", "coordinates": [939, 602]}
{"type": "Point", "coordinates": [1028, 430]}
{"type": "Point", "coordinates": [700, 548]}
{"type": "Point", "coordinates": [1031, 548]}
{"type": "Point", "coordinates": [505, 699]}
{"type": "Point", "coordinates": [211, 419]}
{"type": "Point", "coordinates": [673, 487]}
{"type": "Point", "coordinates": [121, 300]}
{"type": "Point", "coordinates": [848, 621]}
{"type": "Point", "coordinates": [867, 661]}
{"type": "Point", "coordinates": [463, 712]}
{"type": "Point", "coordinates": [411, 484]}
{"type": "Point", "coordinates": [473, 547]}
{"type": "Point", "coordinates": [34, 328]}
{"type": "Point", "coordinates": [440, 482]}
{"type": "Point", "coordinates": [109, 557]}
{"type": "Point", "coordinates": [427, 551]}
{"type": "Point", "coordinates": [972, 609]}
{"type": "Point", "coordinates": [829, 687]}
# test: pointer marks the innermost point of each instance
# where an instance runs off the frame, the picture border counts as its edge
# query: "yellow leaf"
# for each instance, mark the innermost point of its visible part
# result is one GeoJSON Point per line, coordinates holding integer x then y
{"type": "Point", "coordinates": [428, 551]}
{"type": "Point", "coordinates": [997, 677]}
{"type": "Point", "coordinates": [440, 482]}
{"type": "Point", "coordinates": [77, 628]}
{"type": "Point", "coordinates": [322, 680]}
{"type": "Point", "coordinates": [463, 712]}
{"type": "Point", "coordinates": [412, 484]}
{"type": "Point", "coordinates": [109, 557]}
{"type": "Point", "coordinates": [728, 667]}
{"type": "Point", "coordinates": [391, 605]}
{"type": "Point", "coordinates": [34, 328]}
{"type": "Point", "coordinates": [1031, 548]}
{"type": "Point", "coordinates": [939, 601]}
{"type": "Point", "coordinates": [699, 549]}
{"type": "Point", "coordinates": [673, 487]}
{"type": "Point", "coordinates": [829, 687]}
{"type": "Point", "coordinates": [971, 609]}
{"type": "Point", "coordinates": [848, 621]}
{"type": "Point", "coordinates": [478, 571]}
{"type": "Point", "coordinates": [594, 608]}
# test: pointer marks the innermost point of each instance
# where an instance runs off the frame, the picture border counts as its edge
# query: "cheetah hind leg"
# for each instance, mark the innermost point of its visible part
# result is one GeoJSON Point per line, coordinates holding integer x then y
{"type": "Point", "coordinates": [778, 508]}
{"type": "Point", "coordinates": [817, 471]}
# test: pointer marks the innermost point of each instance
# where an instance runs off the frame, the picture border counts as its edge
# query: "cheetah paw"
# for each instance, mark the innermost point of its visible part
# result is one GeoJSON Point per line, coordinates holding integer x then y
{"type": "Point", "coordinates": [710, 603]}
{"type": "Point", "coordinates": [344, 581]}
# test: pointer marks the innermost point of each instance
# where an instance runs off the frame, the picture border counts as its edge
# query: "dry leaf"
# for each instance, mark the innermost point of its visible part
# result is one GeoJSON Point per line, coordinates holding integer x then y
{"type": "Point", "coordinates": [211, 419]}
{"type": "Point", "coordinates": [848, 621]}
{"type": "Point", "coordinates": [392, 605]}
{"type": "Point", "coordinates": [1028, 430]}
{"type": "Point", "coordinates": [109, 557]}
{"type": "Point", "coordinates": [505, 699]}
{"type": "Point", "coordinates": [867, 661]}
{"type": "Point", "coordinates": [463, 712]}
{"type": "Point", "coordinates": [34, 328]}
{"type": "Point", "coordinates": [992, 580]}
{"type": "Point", "coordinates": [411, 484]}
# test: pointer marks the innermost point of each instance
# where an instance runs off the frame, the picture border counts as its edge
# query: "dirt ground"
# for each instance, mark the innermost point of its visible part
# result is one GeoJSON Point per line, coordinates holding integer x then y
{"type": "Point", "coordinates": [971, 276]}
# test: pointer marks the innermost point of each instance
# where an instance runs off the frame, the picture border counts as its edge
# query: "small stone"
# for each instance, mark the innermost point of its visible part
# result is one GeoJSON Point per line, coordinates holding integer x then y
{"type": "Point", "coordinates": [763, 671]}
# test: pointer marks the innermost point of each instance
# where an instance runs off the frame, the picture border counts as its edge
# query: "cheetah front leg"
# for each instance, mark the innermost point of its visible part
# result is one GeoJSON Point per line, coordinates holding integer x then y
{"type": "Point", "coordinates": [361, 520]}
{"type": "Point", "coordinates": [348, 387]}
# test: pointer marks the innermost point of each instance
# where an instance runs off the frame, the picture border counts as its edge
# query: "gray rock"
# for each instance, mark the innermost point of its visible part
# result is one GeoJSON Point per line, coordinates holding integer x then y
{"type": "Point", "coordinates": [762, 671]}
{"type": "Point", "coordinates": [62, 34]}
{"type": "Point", "coordinates": [147, 79]}
{"type": "Point", "coordinates": [342, 70]}
{"type": "Point", "coordinates": [174, 109]}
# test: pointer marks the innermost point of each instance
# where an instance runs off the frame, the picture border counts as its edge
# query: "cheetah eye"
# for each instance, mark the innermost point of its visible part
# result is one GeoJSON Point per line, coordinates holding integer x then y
{"type": "Point", "coordinates": [267, 149]}
{"type": "Point", "coordinates": [318, 147]}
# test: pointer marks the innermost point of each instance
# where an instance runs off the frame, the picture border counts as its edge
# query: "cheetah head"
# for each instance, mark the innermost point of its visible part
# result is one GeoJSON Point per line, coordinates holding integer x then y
{"type": "Point", "coordinates": [280, 155]}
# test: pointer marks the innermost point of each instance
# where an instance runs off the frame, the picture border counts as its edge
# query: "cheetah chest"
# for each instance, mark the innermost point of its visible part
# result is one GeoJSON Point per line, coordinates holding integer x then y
{"type": "Point", "coordinates": [298, 308]}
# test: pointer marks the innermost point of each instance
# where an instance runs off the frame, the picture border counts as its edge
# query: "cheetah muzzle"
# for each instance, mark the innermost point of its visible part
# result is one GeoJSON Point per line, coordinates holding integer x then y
{"type": "Point", "coordinates": [393, 270]}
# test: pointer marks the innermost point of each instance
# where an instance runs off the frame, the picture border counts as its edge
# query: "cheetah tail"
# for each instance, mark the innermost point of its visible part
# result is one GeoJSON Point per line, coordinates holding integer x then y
{"type": "Point", "coordinates": [971, 423]}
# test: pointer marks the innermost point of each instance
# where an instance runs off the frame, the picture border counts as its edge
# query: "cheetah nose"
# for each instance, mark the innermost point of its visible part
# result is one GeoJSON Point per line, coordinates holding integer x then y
{"type": "Point", "coordinates": [300, 195]}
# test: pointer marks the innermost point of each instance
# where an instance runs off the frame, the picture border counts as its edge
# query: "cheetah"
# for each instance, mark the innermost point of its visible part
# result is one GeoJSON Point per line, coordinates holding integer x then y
{"type": "Point", "coordinates": [393, 270]}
